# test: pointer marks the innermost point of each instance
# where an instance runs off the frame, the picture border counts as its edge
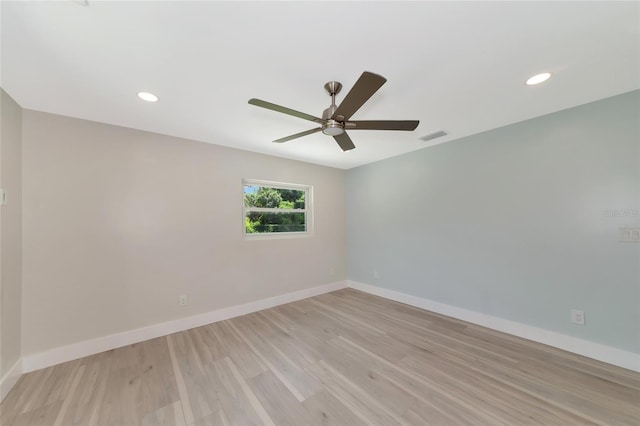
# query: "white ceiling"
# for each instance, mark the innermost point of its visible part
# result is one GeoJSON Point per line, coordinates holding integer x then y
{"type": "Point", "coordinates": [454, 66]}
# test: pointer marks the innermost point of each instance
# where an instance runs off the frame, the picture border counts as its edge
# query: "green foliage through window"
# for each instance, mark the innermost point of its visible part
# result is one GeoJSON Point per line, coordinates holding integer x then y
{"type": "Point", "coordinates": [274, 209]}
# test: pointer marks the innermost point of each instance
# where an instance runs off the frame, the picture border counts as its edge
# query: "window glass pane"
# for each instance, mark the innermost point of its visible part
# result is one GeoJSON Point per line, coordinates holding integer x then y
{"type": "Point", "coordinates": [277, 208]}
{"type": "Point", "coordinates": [263, 222]}
{"type": "Point", "coordinates": [292, 199]}
{"type": "Point", "coordinates": [275, 198]}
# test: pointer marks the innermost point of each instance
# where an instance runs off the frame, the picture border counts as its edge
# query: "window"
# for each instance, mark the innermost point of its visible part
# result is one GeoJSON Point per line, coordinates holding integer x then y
{"type": "Point", "coordinates": [276, 209]}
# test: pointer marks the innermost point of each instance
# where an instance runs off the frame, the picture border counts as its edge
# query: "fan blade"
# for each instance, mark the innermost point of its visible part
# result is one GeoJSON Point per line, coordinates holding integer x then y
{"type": "Point", "coordinates": [298, 135]}
{"type": "Point", "coordinates": [382, 125]}
{"type": "Point", "coordinates": [284, 110]}
{"type": "Point", "coordinates": [344, 141]}
{"type": "Point", "coordinates": [365, 87]}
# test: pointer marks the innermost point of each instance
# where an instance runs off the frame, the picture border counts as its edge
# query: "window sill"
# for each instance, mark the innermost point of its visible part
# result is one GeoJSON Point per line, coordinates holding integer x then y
{"type": "Point", "coordinates": [277, 236]}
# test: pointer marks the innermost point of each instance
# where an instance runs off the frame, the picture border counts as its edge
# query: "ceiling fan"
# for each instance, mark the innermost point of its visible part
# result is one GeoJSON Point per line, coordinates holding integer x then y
{"type": "Point", "coordinates": [335, 119]}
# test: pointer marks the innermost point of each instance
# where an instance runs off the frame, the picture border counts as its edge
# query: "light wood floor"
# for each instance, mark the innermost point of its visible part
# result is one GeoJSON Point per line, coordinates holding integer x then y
{"type": "Point", "coordinates": [344, 358]}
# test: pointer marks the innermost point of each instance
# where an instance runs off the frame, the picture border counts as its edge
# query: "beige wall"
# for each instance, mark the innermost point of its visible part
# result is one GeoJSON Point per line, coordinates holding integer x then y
{"type": "Point", "coordinates": [119, 222]}
{"type": "Point", "coordinates": [10, 233]}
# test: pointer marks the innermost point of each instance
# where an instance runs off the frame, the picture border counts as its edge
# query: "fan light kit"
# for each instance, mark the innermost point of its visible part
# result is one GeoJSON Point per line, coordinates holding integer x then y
{"type": "Point", "coordinates": [149, 97]}
{"type": "Point", "coordinates": [538, 78]}
{"type": "Point", "coordinates": [335, 119]}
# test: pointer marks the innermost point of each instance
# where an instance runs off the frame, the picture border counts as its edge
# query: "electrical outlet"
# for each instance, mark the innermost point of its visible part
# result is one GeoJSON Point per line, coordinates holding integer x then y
{"type": "Point", "coordinates": [577, 316]}
{"type": "Point", "coordinates": [629, 235]}
{"type": "Point", "coordinates": [183, 300]}
{"type": "Point", "coordinates": [376, 274]}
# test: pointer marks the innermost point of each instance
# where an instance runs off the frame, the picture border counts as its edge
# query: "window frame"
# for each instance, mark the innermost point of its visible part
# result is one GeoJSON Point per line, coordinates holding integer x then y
{"type": "Point", "coordinates": [308, 210]}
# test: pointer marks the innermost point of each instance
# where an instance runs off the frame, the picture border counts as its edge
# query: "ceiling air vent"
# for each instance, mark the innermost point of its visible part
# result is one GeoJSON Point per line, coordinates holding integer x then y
{"type": "Point", "coordinates": [433, 135]}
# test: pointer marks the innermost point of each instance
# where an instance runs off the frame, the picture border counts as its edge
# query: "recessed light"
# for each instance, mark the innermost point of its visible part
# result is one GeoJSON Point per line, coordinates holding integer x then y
{"type": "Point", "coordinates": [538, 78]}
{"type": "Point", "coordinates": [149, 97]}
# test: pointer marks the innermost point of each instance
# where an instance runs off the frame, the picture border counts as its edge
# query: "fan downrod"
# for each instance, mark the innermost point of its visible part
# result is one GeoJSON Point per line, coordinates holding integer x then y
{"type": "Point", "coordinates": [330, 126]}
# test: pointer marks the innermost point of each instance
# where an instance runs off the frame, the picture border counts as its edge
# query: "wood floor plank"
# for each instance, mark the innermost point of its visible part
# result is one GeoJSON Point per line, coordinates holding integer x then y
{"type": "Point", "coordinates": [424, 389]}
{"type": "Point", "coordinates": [298, 350]}
{"type": "Point", "coordinates": [431, 417]}
{"type": "Point", "coordinates": [238, 401]}
{"type": "Point", "coordinates": [282, 406]}
{"type": "Point", "coordinates": [394, 398]}
{"type": "Point", "coordinates": [159, 386]}
{"type": "Point", "coordinates": [40, 416]}
{"type": "Point", "coordinates": [216, 419]}
{"type": "Point", "coordinates": [207, 344]}
{"type": "Point", "coordinates": [280, 319]}
{"type": "Point", "coordinates": [328, 309]}
{"type": "Point", "coordinates": [480, 394]}
{"type": "Point", "coordinates": [353, 396]}
{"type": "Point", "coordinates": [91, 409]}
{"type": "Point", "coordinates": [169, 415]}
{"type": "Point", "coordinates": [296, 380]}
{"type": "Point", "coordinates": [67, 400]}
{"type": "Point", "coordinates": [244, 358]}
{"type": "Point", "coordinates": [24, 395]}
{"type": "Point", "coordinates": [343, 358]}
{"type": "Point", "coordinates": [75, 409]}
{"type": "Point", "coordinates": [253, 400]}
{"type": "Point", "coordinates": [121, 398]}
{"type": "Point", "coordinates": [325, 409]}
{"type": "Point", "coordinates": [181, 385]}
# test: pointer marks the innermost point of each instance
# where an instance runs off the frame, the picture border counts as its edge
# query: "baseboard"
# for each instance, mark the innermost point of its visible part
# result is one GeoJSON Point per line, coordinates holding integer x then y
{"type": "Point", "coordinates": [89, 347]}
{"type": "Point", "coordinates": [614, 356]}
{"type": "Point", "coordinates": [597, 351]}
{"type": "Point", "coordinates": [10, 379]}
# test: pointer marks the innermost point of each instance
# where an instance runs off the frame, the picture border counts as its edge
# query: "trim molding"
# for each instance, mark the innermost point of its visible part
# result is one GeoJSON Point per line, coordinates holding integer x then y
{"type": "Point", "coordinates": [10, 379]}
{"type": "Point", "coordinates": [93, 346]}
{"type": "Point", "coordinates": [597, 351]}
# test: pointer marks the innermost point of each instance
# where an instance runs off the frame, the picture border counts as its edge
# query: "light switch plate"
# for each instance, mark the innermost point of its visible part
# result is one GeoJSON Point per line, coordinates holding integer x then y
{"type": "Point", "coordinates": [3, 197]}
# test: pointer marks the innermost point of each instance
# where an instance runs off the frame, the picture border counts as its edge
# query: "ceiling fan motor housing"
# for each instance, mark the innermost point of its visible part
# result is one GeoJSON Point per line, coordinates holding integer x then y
{"type": "Point", "coordinates": [330, 126]}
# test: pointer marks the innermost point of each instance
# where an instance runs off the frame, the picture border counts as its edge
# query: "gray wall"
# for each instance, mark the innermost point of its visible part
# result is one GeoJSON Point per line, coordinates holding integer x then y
{"type": "Point", "coordinates": [10, 232]}
{"type": "Point", "coordinates": [118, 223]}
{"type": "Point", "coordinates": [512, 222]}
